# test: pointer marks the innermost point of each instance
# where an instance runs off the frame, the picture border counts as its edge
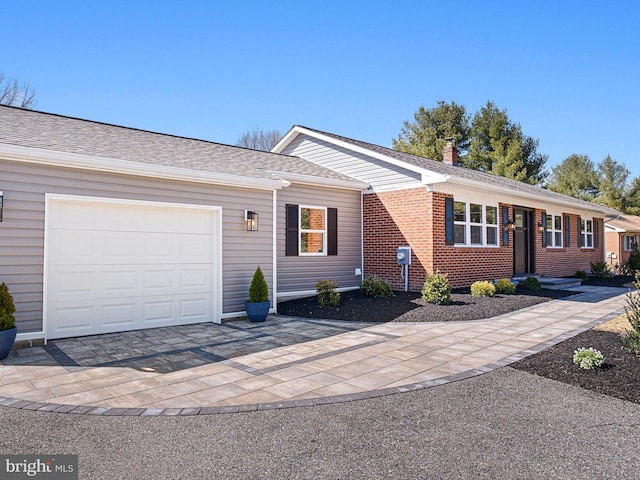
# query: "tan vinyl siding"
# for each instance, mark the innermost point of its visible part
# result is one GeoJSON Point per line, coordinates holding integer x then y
{"type": "Point", "coordinates": [300, 273]}
{"type": "Point", "coordinates": [377, 173]}
{"type": "Point", "coordinates": [22, 231]}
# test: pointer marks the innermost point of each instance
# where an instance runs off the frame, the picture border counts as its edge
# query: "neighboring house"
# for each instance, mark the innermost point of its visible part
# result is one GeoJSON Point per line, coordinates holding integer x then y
{"type": "Point", "coordinates": [622, 234]}
{"type": "Point", "coordinates": [467, 224]}
{"type": "Point", "coordinates": [106, 228]}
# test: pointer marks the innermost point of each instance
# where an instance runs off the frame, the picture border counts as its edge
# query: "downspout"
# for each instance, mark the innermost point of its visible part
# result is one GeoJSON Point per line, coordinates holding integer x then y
{"type": "Point", "coordinates": [274, 228]}
{"type": "Point", "coordinates": [362, 236]}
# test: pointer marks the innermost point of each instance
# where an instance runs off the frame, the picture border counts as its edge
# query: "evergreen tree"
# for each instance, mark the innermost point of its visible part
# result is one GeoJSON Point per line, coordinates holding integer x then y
{"type": "Point", "coordinates": [575, 176]}
{"type": "Point", "coordinates": [613, 183]}
{"type": "Point", "coordinates": [427, 135]}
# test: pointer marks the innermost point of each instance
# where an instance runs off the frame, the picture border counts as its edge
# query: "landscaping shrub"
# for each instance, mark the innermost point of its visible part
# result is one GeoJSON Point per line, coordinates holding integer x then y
{"type": "Point", "coordinates": [258, 290]}
{"type": "Point", "coordinates": [327, 295]}
{"type": "Point", "coordinates": [376, 287]}
{"type": "Point", "coordinates": [505, 286]}
{"type": "Point", "coordinates": [437, 289]}
{"type": "Point", "coordinates": [7, 308]}
{"type": "Point", "coordinates": [483, 288]}
{"type": "Point", "coordinates": [531, 283]}
{"type": "Point", "coordinates": [633, 264]}
{"type": "Point", "coordinates": [632, 309]}
{"type": "Point", "coordinates": [600, 269]}
{"type": "Point", "coordinates": [588, 358]}
{"type": "Point", "coordinates": [582, 275]}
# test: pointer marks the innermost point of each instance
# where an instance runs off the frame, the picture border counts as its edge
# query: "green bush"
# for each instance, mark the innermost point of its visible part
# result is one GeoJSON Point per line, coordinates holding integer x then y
{"type": "Point", "coordinates": [531, 283]}
{"type": "Point", "coordinates": [327, 295]}
{"type": "Point", "coordinates": [483, 288]}
{"type": "Point", "coordinates": [600, 269]}
{"type": "Point", "coordinates": [582, 275]}
{"type": "Point", "coordinates": [633, 264]}
{"type": "Point", "coordinates": [632, 309]}
{"type": "Point", "coordinates": [588, 358]}
{"type": "Point", "coordinates": [505, 286]}
{"type": "Point", "coordinates": [259, 290]}
{"type": "Point", "coordinates": [436, 289]}
{"type": "Point", "coordinates": [7, 309]}
{"type": "Point", "coordinates": [376, 287]}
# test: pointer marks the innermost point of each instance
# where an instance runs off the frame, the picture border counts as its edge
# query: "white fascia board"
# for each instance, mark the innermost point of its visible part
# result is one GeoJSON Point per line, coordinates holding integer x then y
{"type": "Point", "coordinates": [295, 131]}
{"type": "Point", "coordinates": [614, 229]}
{"type": "Point", "coordinates": [321, 181]}
{"type": "Point", "coordinates": [598, 209]}
{"type": "Point", "coordinates": [18, 153]}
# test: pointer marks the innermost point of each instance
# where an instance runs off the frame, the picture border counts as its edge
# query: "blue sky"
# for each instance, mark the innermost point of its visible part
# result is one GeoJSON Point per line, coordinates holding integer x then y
{"type": "Point", "coordinates": [567, 71]}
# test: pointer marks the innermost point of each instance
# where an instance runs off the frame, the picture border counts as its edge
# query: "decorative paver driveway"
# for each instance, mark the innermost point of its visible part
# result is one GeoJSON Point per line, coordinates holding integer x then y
{"type": "Point", "coordinates": [375, 360]}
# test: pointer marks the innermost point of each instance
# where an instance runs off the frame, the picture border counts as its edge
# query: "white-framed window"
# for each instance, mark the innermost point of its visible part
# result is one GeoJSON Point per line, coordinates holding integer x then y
{"type": "Point", "coordinates": [313, 230]}
{"type": "Point", "coordinates": [630, 242]}
{"type": "Point", "coordinates": [586, 232]}
{"type": "Point", "coordinates": [554, 230]}
{"type": "Point", "coordinates": [475, 224]}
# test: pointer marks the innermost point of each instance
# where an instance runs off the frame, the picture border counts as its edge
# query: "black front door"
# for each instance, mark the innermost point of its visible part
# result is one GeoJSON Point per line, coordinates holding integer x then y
{"type": "Point", "coordinates": [521, 243]}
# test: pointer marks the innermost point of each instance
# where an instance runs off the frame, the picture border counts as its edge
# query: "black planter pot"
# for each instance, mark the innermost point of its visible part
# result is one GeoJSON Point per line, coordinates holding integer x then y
{"type": "Point", "coordinates": [7, 337]}
{"type": "Point", "coordinates": [257, 311]}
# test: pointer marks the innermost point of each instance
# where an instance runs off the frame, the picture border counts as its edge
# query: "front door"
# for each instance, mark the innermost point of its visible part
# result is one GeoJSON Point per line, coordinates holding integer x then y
{"type": "Point", "coordinates": [521, 242]}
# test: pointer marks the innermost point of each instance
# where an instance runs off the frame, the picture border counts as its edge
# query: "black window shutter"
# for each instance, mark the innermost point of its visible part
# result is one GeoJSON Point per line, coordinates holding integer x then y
{"type": "Point", "coordinates": [505, 225]}
{"type": "Point", "coordinates": [567, 231]}
{"type": "Point", "coordinates": [291, 238]}
{"type": "Point", "coordinates": [580, 238]}
{"type": "Point", "coordinates": [596, 233]}
{"type": "Point", "coordinates": [332, 231]}
{"type": "Point", "coordinates": [544, 229]}
{"type": "Point", "coordinates": [448, 220]}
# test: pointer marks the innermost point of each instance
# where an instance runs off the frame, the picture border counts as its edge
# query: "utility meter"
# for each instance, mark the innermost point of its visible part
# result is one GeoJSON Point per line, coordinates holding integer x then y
{"type": "Point", "coordinates": [403, 256]}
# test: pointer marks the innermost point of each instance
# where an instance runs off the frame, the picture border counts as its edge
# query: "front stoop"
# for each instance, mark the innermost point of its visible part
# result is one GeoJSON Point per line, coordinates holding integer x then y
{"type": "Point", "coordinates": [553, 283]}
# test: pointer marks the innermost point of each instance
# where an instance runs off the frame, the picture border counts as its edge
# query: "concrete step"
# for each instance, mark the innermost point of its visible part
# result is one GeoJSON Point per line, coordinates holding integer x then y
{"type": "Point", "coordinates": [553, 283]}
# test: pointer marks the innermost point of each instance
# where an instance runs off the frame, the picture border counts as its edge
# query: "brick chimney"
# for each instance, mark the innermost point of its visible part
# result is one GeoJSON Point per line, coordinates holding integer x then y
{"type": "Point", "coordinates": [450, 153]}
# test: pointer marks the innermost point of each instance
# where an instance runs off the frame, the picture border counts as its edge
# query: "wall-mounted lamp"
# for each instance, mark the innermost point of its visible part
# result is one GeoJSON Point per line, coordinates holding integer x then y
{"type": "Point", "coordinates": [511, 225]}
{"type": "Point", "coordinates": [1, 203]}
{"type": "Point", "coordinates": [251, 219]}
{"type": "Point", "coordinates": [540, 227]}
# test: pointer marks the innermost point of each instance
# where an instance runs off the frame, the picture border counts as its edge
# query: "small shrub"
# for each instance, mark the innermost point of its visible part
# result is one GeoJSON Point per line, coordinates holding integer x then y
{"type": "Point", "coordinates": [531, 283]}
{"type": "Point", "coordinates": [259, 290]}
{"type": "Point", "coordinates": [376, 287]}
{"type": "Point", "coordinates": [623, 270]}
{"type": "Point", "coordinates": [505, 286]}
{"type": "Point", "coordinates": [483, 288]}
{"type": "Point", "coordinates": [7, 308]}
{"type": "Point", "coordinates": [588, 358]}
{"type": "Point", "coordinates": [437, 289]}
{"type": "Point", "coordinates": [632, 309]}
{"type": "Point", "coordinates": [582, 275]}
{"type": "Point", "coordinates": [600, 269]}
{"type": "Point", "coordinates": [633, 264]}
{"type": "Point", "coordinates": [327, 295]}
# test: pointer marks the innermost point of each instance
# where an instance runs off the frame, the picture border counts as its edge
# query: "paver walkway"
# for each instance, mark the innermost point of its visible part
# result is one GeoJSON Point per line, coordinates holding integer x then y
{"type": "Point", "coordinates": [377, 360]}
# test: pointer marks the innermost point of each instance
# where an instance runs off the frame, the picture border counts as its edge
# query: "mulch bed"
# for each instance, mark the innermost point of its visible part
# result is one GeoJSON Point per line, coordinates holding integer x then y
{"type": "Point", "coordinates": [409, 307]}
{"type": "Point", "coordinates": [618, 377]}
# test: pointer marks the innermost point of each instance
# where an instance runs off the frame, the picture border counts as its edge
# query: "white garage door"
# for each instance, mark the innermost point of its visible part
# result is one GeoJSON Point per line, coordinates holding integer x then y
{"type": "Point", "coordinates": [113, 265]}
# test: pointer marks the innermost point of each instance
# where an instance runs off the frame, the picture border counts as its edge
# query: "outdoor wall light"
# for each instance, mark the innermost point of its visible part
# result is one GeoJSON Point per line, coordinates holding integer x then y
{"type": "Point", "coordinates": [511, 225]}
{"type": "Point", "coordinates": [251, 218]}
{"type": "Point", "coordinates": [540, 227]}
{"type": "Point", "coordinates": [1, 203]}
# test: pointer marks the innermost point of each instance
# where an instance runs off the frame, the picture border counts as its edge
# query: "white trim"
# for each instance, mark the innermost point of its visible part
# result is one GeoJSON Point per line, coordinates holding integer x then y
{"type": "Point", "coordinates": [40, 156]}
{"type": "Point", "coordinates": [216, 236]}
{"type": "Point", "coordinates": [21, 337]}
{"type": "Point", "coordinates": [584, 233]}
{"type": "Point", "coordinates": [275, 249]}
{"type": "Point", "coordinates": [467, 223]}
{"type": "Point", "coordinates": [321, 181]}
{"type": "Point", "coordinates": [551, 233]}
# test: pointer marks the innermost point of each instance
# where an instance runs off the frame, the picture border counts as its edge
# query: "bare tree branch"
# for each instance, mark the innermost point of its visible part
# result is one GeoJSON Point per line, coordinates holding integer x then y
{"type": "Point", "coordinates": [257, 139]}
{"type": "Point", "coordinates": [16, 95]}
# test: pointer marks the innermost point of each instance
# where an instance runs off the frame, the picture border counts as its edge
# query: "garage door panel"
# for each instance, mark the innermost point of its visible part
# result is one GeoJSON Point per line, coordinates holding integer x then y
{"type": "Point", "coordinates": [116, 267]}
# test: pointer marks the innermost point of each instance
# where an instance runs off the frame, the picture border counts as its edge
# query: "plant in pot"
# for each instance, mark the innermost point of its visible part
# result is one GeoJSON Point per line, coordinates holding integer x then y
{"type": "Point", "coordinates": [258, 305]}
{"type": "Point", "coordinates": [8, 327]}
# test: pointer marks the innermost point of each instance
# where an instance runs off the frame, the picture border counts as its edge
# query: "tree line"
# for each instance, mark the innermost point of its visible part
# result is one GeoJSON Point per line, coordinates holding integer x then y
{"type": "Point", "coordinates": [489, 141]}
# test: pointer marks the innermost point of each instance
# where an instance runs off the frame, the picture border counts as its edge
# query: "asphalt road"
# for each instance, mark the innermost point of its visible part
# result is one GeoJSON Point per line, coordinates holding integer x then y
{"type": "Point", "coordinates": [506, 424]}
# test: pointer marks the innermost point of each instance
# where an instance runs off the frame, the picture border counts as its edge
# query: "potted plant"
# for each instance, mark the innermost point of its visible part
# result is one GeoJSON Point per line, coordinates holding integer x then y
{"type": "Point", "coordinates": [258, 305]}
{"type": "Point", "coordinates": [8, 327]}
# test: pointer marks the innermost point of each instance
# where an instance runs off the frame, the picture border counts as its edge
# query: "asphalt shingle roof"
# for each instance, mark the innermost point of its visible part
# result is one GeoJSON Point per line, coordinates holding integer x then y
{"type": "Point", "coordinates": [48, 131]}
{"type": "Point", "coordinates": [460, 172]}
{"type": "Point", "coordinates": [627, 223]}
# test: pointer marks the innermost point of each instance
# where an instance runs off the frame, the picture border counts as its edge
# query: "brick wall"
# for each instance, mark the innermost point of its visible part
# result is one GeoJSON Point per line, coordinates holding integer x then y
{"type": "Point", "coordinates": [415, 218]}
